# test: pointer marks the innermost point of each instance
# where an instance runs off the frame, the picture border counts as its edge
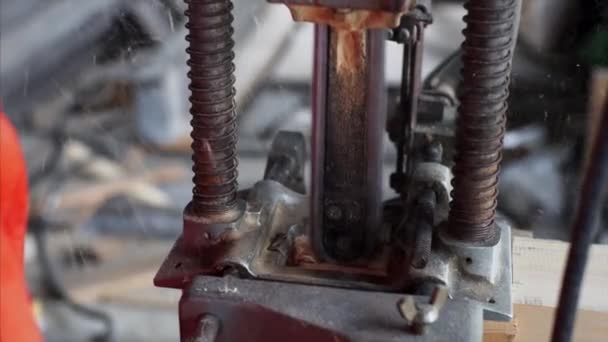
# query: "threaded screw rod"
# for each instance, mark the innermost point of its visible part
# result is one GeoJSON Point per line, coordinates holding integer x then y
{"type": "Point", "coordinates": [212, 105]}
{"type": "Point", "coordinates": [487, 56]}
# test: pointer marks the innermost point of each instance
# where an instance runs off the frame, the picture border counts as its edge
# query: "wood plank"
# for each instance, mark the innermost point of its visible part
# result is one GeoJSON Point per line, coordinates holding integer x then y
{"type": "Point", "coordinates": [499, 331]}
{"type": "Point", "coordinates": [534, 323]}
{"type": "Point", "coordinates": [538, 266]}
{"type": "Point", "coordinates": [537, 275]}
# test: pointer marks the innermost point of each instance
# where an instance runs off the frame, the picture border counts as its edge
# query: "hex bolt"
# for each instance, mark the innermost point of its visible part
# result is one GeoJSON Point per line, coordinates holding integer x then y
{"type": "Point", "coordinates": [334, 213]}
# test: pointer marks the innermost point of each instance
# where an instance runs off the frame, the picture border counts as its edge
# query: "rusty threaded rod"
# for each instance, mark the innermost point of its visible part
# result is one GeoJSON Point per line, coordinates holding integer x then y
{"type": "Point", "coordinates": [487, 56]}
{"type": "Point", "coordinates": [212, 105]}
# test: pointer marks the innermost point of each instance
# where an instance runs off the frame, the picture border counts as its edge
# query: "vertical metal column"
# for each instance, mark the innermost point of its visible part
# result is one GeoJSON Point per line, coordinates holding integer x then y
{"type": "Point", "coordinates": [349, 107]}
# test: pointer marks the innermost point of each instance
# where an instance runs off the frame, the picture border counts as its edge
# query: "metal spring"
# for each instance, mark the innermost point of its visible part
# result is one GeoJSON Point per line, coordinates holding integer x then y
{"type": "Point", "coordinates": [212, 105]}
{"type": "Point", "coordinates": [487, 56]}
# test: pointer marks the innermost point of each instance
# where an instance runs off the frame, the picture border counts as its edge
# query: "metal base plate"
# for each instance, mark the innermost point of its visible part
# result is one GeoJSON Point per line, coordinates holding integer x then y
{"type": "Point", "coordinates": [478, 273]}
{"type": "Point", "coordinates": [254, 310]}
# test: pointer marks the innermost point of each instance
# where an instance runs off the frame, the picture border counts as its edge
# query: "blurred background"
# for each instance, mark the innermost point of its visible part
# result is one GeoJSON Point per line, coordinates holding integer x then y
{"type": "Point", "coordinates": [98, 92]}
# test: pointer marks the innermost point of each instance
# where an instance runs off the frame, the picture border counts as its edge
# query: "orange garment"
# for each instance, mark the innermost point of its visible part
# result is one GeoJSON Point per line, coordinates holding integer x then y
{"type": "Point", "coordinates": [16, 316]}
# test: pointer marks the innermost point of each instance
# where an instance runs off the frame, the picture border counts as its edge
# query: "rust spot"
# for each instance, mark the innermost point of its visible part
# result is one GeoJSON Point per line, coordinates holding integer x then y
{"type": "Point", "coordinates": [302, 251]}
{"type": "Point", "coordinates": [377, 266]}
{"type": "Point", "coordinates": [351, 52]}
{"type": "Point", "coordinates": [303, 256]}
{"type": "Point", "coordinates": [353, 20]}
{"type": "Point", "coordinates": [346, 116]}
{"type": "Point", "coordinates": [212, 218]}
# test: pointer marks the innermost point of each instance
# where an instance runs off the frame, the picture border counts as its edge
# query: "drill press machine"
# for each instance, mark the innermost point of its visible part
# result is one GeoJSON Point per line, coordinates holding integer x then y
{"type": "Point", "coordinates": [332, 261]}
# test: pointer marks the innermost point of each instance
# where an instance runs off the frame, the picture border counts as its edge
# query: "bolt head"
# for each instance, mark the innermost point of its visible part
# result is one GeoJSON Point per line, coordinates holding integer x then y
{"type": "Point", "coordinates": [334, 213]}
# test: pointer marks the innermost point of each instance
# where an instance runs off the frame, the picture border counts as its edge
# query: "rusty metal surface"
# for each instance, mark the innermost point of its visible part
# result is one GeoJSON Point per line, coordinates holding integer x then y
{"type": "Point", "coordinates": [271, 241]}
{"type": "Point", "coordinates": [268, 233]}
{"type": "Point", "coordinates": [254, 311]}
{"type": "Point", "coordinates": [345, 154]}
{"type": "Point", "coordinates": [352, 20]}
{"type": "Point", "coordinates": [379, 5]}
{"type": "Point", "coordinates": [481, 123]}
{"type": "Point", "coordinates": [349, 117]}
{"type": "Point", "coordinates": [212, 106]}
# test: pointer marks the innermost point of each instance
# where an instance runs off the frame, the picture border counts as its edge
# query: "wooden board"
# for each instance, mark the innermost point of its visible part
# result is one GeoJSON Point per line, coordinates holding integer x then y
{"type": "Point", "coordinates": [537, 274]}
{"type": "Point", "coordinates": [534, 323]}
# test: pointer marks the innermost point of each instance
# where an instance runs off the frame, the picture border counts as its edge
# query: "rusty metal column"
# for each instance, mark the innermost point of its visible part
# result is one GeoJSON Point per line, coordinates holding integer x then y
{"type": "Point", "coordinates": [349, 108]}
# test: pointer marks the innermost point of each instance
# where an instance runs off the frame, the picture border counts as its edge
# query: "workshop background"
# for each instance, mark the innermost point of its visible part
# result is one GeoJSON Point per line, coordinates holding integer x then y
{"type": "Point", "coordinates": [98, 92]}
